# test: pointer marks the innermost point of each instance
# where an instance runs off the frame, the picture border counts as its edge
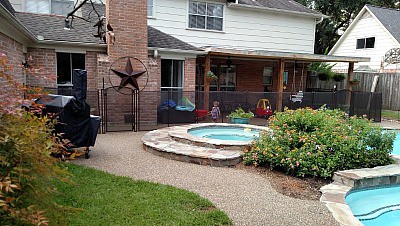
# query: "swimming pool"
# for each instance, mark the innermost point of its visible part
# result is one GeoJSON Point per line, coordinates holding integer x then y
{"type": "Point", "coordinates": [396, 144]}
{"type": "Point", "coordinates": [376, 206]}
{"type": "Point", "coordinates": [233, 133]}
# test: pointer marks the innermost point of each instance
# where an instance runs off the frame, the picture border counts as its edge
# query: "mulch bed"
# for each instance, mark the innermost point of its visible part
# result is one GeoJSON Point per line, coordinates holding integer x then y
{"type": "Point", "coordinates": [301, 188]}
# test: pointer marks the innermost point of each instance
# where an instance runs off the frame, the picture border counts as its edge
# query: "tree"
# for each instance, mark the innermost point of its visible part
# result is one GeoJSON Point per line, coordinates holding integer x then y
{"type": "Point", "coordinates": [341, 13]}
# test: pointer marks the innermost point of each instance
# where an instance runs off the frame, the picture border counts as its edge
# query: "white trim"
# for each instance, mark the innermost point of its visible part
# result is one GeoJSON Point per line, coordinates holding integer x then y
{"type": "Point", "coordinates": [18, 25]}
{"type": "Point", "coordinates": [238, 6]}
{"type": "Point", "coordinates": [92, 46]}
{"type": "Point", "coordinates": [171, 76]}
{"type": "Point", "coordinates": [205, 30]}
{"type": "Point", "coordinates": [69, 50]}
{"type": "Point", "coordinates": [168, 56]}
{"type": "Point", "coordinates": [194, 53]}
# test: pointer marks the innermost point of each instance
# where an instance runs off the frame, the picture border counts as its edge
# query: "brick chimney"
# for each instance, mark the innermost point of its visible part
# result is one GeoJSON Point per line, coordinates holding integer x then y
{"type": "Point", "coordinates": [128, 18]}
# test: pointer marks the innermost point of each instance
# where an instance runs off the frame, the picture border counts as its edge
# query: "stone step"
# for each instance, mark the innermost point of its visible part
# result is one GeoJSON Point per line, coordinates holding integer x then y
{"type": "Point", "coordinates": [160, 143]}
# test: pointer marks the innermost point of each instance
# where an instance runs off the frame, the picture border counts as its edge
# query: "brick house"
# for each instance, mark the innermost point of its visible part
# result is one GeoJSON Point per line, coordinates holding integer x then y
{"type": "Point", "coordinates": [250, 45]}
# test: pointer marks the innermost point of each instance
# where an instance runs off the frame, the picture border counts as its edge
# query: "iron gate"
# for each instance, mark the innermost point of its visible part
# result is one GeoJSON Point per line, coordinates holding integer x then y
{"type": "Point", "coordinates": [120, 109]}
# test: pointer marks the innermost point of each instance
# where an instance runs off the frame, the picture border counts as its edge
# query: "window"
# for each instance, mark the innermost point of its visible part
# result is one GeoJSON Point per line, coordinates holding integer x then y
{"type": "Point", "coordinates": [59, 7]}
{"type": "Point", "coordinates": [267, 76]}
{"type": "Point", "coordinates": [37, 6]}
{"type": "Point", "coordinates": [203, 15]}
{"type": "Point", "coordinates": [150, 8]}
{"type": "Point", "coordinates": [172, 75]}
{"type": "Point", "coordinates": [228, 78]}
{"type": "Point", "coordinates": [66, 63]}
{"type": "Point", "coordinates": [365, 43]}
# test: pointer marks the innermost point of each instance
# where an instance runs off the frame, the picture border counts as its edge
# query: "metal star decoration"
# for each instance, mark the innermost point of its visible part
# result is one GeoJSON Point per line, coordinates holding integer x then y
{"type": "Point", "coordinates": [128, 76]}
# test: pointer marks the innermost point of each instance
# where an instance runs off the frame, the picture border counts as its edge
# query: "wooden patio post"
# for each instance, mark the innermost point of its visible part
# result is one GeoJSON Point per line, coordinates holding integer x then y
{"type": "Point", "coordinates": [207, 68]}
{"type": "Point", "coordinates": [350, 73]}
{"type": "Point", "coordinates": [281, 70]}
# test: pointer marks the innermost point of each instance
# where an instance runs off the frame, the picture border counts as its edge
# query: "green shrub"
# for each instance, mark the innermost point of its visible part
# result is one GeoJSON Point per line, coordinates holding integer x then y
{"type": "Point", "coordinates": [307, 142]}
{"type": "Point", "coordinates": [26, 166]}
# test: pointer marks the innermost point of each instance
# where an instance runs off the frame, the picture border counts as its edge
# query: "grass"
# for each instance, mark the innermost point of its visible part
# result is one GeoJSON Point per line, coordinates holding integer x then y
{"type": "Point", "coordinates": [104, 199]}
{"type": "Point", "coordinates": [388, 114]}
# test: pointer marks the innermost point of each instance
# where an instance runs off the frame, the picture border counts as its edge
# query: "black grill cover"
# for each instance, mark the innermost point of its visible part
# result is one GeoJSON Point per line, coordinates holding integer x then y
{"type": "Point", "coordinates": [74, 120]}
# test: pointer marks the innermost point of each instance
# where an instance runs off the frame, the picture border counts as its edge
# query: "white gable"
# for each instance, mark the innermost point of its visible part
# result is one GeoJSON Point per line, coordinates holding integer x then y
{"type": "Point", "coordinates": [364, 26]}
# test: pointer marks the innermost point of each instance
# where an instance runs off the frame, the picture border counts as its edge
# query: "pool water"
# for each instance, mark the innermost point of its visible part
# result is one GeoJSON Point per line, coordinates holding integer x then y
{"type": "Point", "coordinates": [226, 133]}
{"type": "Point", "coordinates": [377, 206]}
{"type": "Point", "coordinates": [396, 144]}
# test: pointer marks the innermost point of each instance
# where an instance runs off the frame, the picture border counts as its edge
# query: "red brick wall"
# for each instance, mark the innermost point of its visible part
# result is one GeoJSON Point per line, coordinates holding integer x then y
{"type": "Point", "coordinates": [129, 22]}
{"type": "Point", "coordinates": [91, 68]}
{"type": "Point", "coordinates": [44, 64]}
{"type": "Point", "coordinates": [249, 74]}
{"type": "Point", "coordinates": [14, 54]}
{"type": "Point", "coordinates": [190, 75]}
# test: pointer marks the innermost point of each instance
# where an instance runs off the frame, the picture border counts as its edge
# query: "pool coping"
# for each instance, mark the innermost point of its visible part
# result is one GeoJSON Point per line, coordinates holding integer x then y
{"type": "Point", "coordinates": [181, 134]}
{"type": "Point", "coordinates": [334, 194]}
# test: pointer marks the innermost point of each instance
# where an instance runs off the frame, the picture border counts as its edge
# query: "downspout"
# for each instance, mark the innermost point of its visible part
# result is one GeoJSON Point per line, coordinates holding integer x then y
{"type": "Point", "coordinates": [320, 20]}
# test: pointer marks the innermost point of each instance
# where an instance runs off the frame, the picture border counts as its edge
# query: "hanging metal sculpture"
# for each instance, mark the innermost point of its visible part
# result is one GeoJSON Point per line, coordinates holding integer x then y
{"type": "Point", "coordinates": [102, 30]}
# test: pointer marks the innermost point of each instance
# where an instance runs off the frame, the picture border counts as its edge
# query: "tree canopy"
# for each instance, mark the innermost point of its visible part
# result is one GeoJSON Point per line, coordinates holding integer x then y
{"type": "Point", "coordinates": [341, 13]}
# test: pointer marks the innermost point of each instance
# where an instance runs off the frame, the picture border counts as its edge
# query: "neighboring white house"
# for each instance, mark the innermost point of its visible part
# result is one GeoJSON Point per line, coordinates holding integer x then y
{"type": "Point", "coordinates": [372, 34]}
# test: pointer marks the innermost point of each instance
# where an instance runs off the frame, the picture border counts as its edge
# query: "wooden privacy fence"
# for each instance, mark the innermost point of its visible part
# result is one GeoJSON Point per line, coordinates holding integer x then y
{"type": "Point", "coordinates": [388, 84]}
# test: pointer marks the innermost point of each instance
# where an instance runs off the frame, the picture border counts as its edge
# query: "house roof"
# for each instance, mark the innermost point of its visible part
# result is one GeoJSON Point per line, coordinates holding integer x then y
{"type": "Point", "coordinates": [159, 39]}
{"type": "Point", "coordinates": [51, 27]}
{"type": "Point", "coordinates": [8, 6]}
{"type": "Point", "coordinates": [390, 19]}
{"type": "Point", "coordinates": [279, 5]}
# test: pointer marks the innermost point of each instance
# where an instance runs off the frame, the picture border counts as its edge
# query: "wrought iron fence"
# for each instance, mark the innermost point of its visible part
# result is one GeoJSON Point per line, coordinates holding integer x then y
{"type": "Point", "coordinates": [151, 110]}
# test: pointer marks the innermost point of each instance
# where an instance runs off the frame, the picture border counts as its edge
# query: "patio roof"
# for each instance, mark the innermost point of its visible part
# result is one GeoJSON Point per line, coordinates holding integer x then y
{"type": "Point", "coordinates": [263, 54]}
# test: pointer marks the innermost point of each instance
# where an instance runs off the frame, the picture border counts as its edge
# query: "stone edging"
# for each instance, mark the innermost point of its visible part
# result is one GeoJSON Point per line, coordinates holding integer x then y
{"type": "Point", "coordinates": [334, 194]}
{"type": "Point", "coordinates": [180, 134]}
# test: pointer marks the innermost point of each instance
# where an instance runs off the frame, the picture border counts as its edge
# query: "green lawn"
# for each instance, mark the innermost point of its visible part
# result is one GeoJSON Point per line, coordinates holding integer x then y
{"type": "Point", "coordinates": [105, 199]}
{"type": "Point", "coordinates": [395, 115]}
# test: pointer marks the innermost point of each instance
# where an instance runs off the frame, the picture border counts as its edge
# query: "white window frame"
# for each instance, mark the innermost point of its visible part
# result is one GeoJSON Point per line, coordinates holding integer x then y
{"type": "Point", "coordinates": [153, 7]}
{"type": "Point", "coordinates": [268, 72]}
{"type": "Point", "coordinates": [206, 17]}
{"type": "Point", "coordinates": [171, 76]}
{"type": "Point", "coordinates": [36, 2]}
{"type": "Point", "coordinates": [70, 65]}
{"type": "Point", "coordinates": [49, 2]}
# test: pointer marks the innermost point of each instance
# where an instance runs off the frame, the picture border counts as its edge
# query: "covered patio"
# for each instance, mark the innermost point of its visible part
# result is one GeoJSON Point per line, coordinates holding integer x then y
{"type": "Point", "coordinates": [262, 71]}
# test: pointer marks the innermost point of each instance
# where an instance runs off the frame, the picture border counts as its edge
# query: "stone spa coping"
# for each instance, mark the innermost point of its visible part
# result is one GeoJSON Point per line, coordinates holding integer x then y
{"type": "Point", "coordinates": [181, 134]}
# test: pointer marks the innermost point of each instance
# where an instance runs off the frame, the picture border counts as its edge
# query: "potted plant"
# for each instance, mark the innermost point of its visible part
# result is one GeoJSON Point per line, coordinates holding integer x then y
{"type": "Point", "coordinates": [338, 77]}
{"type": "Point", "coordinates": [239, 116]}
{"type": "Point", "coordinates": [354, 82]}
{"type": "Point", "coordinates": [321, 69]}
{"type": "Point", "coordinates": [211, 75]}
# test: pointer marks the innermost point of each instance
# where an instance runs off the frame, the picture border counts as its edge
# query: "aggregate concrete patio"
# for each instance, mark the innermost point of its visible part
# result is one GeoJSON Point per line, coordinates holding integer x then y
{"type": "Point", "coordinates": [247, 198]}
